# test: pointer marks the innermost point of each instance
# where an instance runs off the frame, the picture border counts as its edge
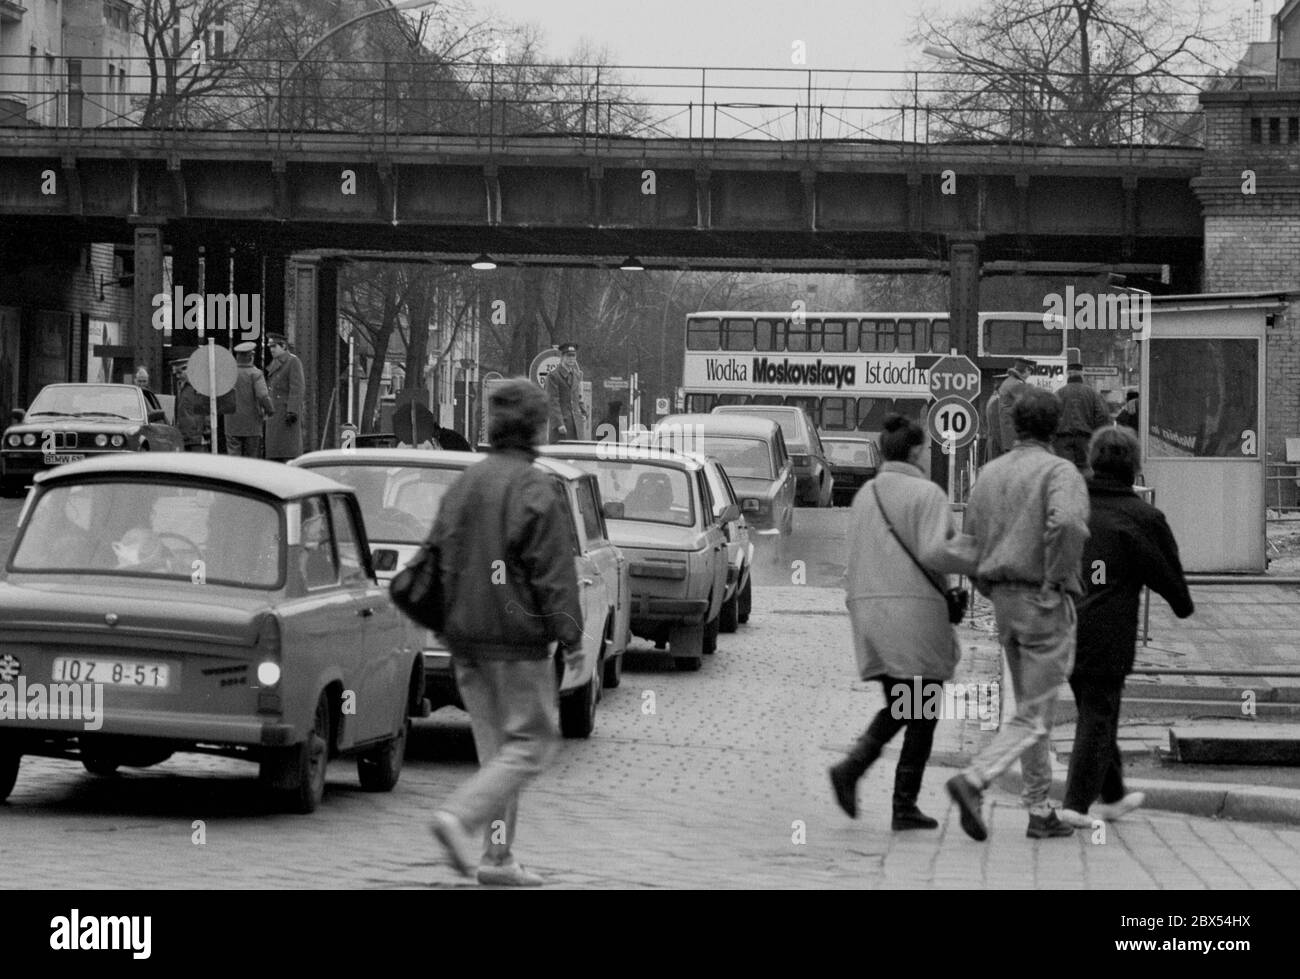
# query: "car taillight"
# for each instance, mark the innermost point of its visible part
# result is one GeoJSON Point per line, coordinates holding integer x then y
{"type": "Point", "coordinates": [268, 665]}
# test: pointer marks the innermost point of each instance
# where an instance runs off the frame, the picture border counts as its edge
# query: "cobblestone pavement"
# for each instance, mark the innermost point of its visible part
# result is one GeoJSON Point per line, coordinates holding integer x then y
{"type": "Point", "coordinates": [708, 780]}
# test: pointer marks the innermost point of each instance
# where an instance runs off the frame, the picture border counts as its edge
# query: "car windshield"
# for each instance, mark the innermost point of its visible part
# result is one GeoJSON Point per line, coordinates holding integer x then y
{"type": "Point", "coordinates": [398, 503]}
{"type": "Point", "coordinates": [649, 493]}
{"type": "Point", "coordinates": [153, 530]}
{"type": "Point", "coordinates": [741, 457]}
{"type": "Point", "coordinates": [787, 419]}
{"type": "Point", "coordinates": [87, 399]}
{"type": "Point", "coordinates": [849, 452]}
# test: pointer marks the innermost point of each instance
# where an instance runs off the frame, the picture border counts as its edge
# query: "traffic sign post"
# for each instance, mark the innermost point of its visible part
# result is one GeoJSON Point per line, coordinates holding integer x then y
{"type": "Point", "coordinates": [953, 421]}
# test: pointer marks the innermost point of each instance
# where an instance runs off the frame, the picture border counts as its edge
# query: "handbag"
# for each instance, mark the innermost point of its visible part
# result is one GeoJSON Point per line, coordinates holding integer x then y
{"type": "Point", "coordinates": [957, 598]}
{"type": "Point", "coordinates": [417, 589]}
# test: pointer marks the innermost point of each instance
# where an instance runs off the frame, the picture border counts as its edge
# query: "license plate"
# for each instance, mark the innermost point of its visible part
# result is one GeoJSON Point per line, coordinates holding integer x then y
{"type": "Point", "coordinates": [114, 672]}
{"type": "Point", "coordinates": [60, 459]}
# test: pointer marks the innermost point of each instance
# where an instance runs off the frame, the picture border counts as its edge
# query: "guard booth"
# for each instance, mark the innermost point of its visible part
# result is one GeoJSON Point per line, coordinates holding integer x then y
{"type": "Point", "coordinates": [1202, 419]}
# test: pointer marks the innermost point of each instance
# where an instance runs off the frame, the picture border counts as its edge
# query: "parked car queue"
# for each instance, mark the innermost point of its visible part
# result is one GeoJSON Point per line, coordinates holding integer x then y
{"type": "Point", "coordinates": [240, 608]}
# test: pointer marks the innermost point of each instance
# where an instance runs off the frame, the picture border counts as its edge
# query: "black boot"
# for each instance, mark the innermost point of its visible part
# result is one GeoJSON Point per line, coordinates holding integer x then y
{"type": "Point", "coordinates": [907, 786]}
{"type": "Point", "coordinates": [845, 775]}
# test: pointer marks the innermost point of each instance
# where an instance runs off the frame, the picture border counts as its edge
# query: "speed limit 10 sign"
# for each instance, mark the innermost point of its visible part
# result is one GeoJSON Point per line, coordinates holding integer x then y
{"type": "Point", "coordinates": [953, 418]}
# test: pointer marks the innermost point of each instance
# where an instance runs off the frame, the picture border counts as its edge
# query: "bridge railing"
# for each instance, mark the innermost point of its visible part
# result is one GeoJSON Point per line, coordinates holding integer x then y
{"type": "Point", "coordinates": [499, 102]}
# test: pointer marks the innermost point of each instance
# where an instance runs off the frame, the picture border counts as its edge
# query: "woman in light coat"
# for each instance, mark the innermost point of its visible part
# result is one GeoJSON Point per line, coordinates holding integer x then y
{"type": "Point", "coordinates": [899, 618]}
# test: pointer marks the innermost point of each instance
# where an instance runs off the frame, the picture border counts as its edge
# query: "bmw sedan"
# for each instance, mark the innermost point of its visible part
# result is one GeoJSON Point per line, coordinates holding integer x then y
{"type": "Point", "coordinates": [188, 603]}
{"type": "Point", "coordinates": [399, 491]}
{"type": "Point", "coordinates": [70, 422]}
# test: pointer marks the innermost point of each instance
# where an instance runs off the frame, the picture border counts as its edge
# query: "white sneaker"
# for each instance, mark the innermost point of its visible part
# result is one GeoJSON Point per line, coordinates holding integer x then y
{"type": "Point", "coordinates": [1110, 811]}
{"type": "Point", "coordinates": [508, 875]}
{"type": "Point", "coordinates": [455, 839]}
{"type": "Point", "coordinates": [1076, 819]}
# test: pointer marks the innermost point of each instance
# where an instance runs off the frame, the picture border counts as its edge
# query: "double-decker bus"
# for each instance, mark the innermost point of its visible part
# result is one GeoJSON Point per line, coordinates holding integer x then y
{"type": "Point", "coordinates": [849, 370]}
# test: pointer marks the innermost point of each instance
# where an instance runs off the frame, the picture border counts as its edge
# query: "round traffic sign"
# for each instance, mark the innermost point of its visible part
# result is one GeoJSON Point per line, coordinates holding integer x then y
{"type": "Point", "coordinates": [953, 418]}
{"type": "Point", "coordinates": [543, 364]}
{"type": "Point", "coordinates": [227, 370]}
{"type": "Point", "coordinates": [955, 376]}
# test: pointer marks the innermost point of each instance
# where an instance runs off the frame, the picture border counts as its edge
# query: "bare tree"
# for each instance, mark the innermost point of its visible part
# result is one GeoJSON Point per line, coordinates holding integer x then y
{"type": "Point", "coordinates": [1076, 72]}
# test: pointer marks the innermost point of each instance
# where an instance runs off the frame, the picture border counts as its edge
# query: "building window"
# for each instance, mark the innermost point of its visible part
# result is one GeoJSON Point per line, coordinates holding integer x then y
{"type": "Point", "coordinates": [1275, 130]}
{"type": "Point", "coordinates": [1293, 129]}
{"type": "Point", "coordinates": [1256, 131]}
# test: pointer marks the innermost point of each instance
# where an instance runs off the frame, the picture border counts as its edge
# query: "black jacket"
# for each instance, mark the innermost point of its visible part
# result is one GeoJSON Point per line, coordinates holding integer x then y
{"type": "Point", "coordinates": [507, 561]}
{"type": "Point", "coordinates": [1130, 546]}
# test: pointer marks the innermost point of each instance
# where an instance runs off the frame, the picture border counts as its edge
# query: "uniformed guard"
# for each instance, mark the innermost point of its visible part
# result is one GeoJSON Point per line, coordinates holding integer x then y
{"type": "Point", "coordinates": [252, 406]}
{"type": "Point", "coordinates": [564, 393]}
{"type": "Point", "coordinates": [286, 385]}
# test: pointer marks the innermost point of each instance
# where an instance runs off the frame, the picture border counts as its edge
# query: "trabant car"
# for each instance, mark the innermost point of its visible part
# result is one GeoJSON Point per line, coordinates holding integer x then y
{"type": "Point", "coordinates": [399, 491]}
{"type": "Point", "coordinates": [71, 422]}
{"type": "Point", "coordinates": [812, 470]}
{"type": "Point", "coordinates": [218, 605]}
{"type": "Point", "coordinates": [662, 517]}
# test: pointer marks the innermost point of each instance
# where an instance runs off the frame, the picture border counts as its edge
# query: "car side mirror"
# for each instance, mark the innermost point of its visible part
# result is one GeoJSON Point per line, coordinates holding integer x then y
{"type": "Point", "coordinates": [157, 415]}
{"type": "Point", "coordinates": [17, 415]}
{"type": "Point", "coordinates": [613, 510]}
{"type": "Point", "coordinates": [728, 513]}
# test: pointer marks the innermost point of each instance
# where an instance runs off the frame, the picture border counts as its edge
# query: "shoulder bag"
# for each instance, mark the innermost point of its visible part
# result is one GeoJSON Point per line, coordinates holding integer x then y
{"type": "Point", "coordinates": [957, 598]}
{"type": "Point", "coordinates": [417, 589]}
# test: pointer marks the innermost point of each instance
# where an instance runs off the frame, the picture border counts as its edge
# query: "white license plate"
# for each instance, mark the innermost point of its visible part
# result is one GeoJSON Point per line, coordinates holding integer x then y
{"type": "Point", "coordinates": [60, 459]}
{"type": "Point", "coordinates": [114, 672]}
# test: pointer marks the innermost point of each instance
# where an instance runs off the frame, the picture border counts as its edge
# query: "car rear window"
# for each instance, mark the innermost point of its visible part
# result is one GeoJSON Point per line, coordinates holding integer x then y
{"type": "Point", "coordinates": [398, 503]}
{"type": "Point", "coordinates": [850, 453]}
{"type": "Point", "coordinates": [649, 493]}
{"type": "Point", "coordinates": [153, 530]}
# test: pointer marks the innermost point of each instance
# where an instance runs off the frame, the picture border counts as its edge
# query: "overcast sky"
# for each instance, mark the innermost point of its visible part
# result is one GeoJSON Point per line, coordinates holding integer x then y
{"type": "Point", "coordinates": [852, 34]}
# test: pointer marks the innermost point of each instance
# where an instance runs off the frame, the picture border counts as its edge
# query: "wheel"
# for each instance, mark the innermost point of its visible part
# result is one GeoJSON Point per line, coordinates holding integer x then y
{"type": "Point", "coordinates": [379, 768]}
{"type": "Point", "coordinates": [729, 617]}
{"type": "Point", "coordinates": [100, 764]}
{"type": "Point", "coordinates": [164, 535]}
{"type": "Point", "coordinates": [746, 600]}
{"type": "Point", "coordinates": [711, 636]}
{"type": "Point", "coordinates": [578, 707]}
{"type": "Point", "coordinates": [613, 672]}
{"type": "Point", "coordinates": [300, 770]}
{"type": "Point", "coordinates": [9, 762]}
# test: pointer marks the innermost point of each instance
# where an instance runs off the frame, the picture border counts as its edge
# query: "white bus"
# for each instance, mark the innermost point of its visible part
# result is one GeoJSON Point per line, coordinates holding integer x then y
{"type": "Point", "coordinates": [848, 370]}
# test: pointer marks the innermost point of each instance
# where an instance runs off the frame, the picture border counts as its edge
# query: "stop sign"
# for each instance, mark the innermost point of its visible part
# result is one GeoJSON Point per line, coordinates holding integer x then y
{"type": "Point", "coordinates": [955, 377]}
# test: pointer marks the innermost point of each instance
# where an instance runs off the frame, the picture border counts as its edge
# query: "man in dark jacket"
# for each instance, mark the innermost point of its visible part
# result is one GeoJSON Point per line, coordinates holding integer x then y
{"type": "Point", "coordinates": [993, 446]}
{"type": "Point", "coordinates": [286, 384]}
{"type": "Point", "coordinates": [564, 392]}
{"type": "Point", "coordinates": [1083, 411]}
{"type": "Point", "coordinates": [1010, 390]}
{"type": "Point", "coordinates": [1130, 546]}
{"type": "Point", "coordinates": [511, 589]}
{"type": "Point", "coordinates": [1128, 415]}
{"type": "Point", "coordinates": [193, 411]}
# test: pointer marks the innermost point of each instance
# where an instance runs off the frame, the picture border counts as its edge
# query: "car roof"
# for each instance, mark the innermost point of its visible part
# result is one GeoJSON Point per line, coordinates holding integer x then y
{"type": "Point", "coordinates": [608, 451]}
{"type": "Point", "coordinates": [269, 478]}
{"type": "Point", "coordinates": [434, 458]}
{"type": "Point", "coordinates": [89, 384]}
{"type": "Point", "coordinates": [848, 437]}
{"type": "Point", "coordinates": [417, 458]}
{"type": "Point", "coordinates": [755, 409]}
{"type": "Point", "coordinates": [724, 425]}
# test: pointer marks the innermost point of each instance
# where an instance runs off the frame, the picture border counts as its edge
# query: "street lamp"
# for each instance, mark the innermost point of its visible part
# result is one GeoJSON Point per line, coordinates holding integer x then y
{"type": "Point", "coordinates": [404, 5]}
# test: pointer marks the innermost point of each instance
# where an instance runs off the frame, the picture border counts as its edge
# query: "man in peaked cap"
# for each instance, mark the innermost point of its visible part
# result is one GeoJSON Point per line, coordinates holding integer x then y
{"type": "Point", "coordinates": [1011, 389]}
{"type": "Point", "coordinates": [252, 405]}
{"type": "Point", "coordinates": [193, 411]}
{"type": "Point", "coordinates": [287, 386]}
{"type": "Point", "coordinates": [564, 394]}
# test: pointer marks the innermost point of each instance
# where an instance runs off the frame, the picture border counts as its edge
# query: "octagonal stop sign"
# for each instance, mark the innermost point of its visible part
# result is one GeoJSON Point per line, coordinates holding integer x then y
{"type": "Point", "coordinates": [955, 377]}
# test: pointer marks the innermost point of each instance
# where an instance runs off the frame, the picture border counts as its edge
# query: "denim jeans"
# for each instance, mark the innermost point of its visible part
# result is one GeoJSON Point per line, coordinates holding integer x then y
{"type": "Point", "coordinates": [1096, 767]}
{"type": "Point", "coordinates": [514, 716]}
{"type": "Point", "coordinates": [1037, 630]}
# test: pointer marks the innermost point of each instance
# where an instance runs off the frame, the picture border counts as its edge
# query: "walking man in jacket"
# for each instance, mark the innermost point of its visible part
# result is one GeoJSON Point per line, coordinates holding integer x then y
{"type": "Point", "coordinates": [287, 387]}
{"type": "Point", "coordinates": [1083, 411]}
{"type": "Point", "coordinates": [252, 404]}
{"type": "Point", "coordinates": [1130, 546]}
{"type": "Point", "coordinates": [1007, 394]}
{"type": "Point", "coordinates": [193, 411]}
{"type": "Point", "coordinates": [564, 394]}
{"type": "Point", "coordinates": [511, 590]}
{"type": "Point", "coordinates": [1028, 513]}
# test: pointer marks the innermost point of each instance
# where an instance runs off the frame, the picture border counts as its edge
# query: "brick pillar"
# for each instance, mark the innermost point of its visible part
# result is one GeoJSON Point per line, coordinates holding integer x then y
{"type": "Point", "coordinates": [148, 283]}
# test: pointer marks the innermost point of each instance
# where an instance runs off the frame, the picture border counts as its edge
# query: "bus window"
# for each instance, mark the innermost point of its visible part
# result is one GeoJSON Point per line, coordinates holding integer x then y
{"type": "Point", "coordinates": [911, 336]}
{"type": "Point", "coordinates": [768, 399]}
{"type": "Point", "coordinates": [702, 334]}
{"type": "Point", "coordinates": [940, 337]}
{"type": "Point", "coordinates": [913, 408]}
{"type": "Point", "coordinates": [877, 336]}
{"type": "Point", "coordinates": [872, 412]}
{"type": "Point", "coordinates": [796, 336]}
{"type": "Point", "coordinates": [1007, 338]}
{"type": "Point", "coordinates": [768, 335]}
{"type": "Point", "coordinates": [809, 404]}
{"type": "Point", "coordinates": [837, 414]}
{"type": "Point", "coordinates": [738, 335]}
{"type": "Point", "coordinates": [833, 332]}
{"type": "Point", "coordinates": [700, 403]}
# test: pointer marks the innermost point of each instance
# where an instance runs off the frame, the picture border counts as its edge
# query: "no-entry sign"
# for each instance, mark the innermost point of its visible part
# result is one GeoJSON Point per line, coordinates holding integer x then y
{"type": "Point", "coordinates": [955, 377]}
